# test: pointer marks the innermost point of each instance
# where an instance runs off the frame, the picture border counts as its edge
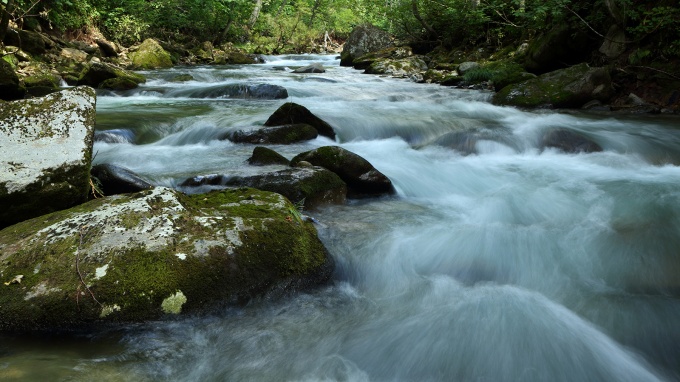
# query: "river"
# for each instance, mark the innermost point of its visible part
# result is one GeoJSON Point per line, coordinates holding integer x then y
{"type": "Point", "coordinates": [497, 260]}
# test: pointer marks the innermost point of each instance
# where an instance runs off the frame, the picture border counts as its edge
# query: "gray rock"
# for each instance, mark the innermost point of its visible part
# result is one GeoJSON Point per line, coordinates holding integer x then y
{"type": "Point", "coordinates": [364, 39]}
{"type": "Point", "coordinates": [361, 177]}
{"type": "Point", "coordinates": [107, 48]}
{"type": "Point", "coordinates": [45, 161]}
{"type": "Point", "coordinates": [244, 91]}
{"type": "Point", "coordinates": [313, 68]}
{"type": "Point", "coordinates": [158, 253]}
{"type": "Point", "coordinates": [114, 180]}
{"type": "Point", "coordinates": [72, 54]}
{"type": "Point", "coordinates": [467, 66]}
{"type": "Point", "coordinates": [263, 156]}
{"type": "Point", "coordinates": [293, 113]}
{"type": "Point", "coordinates": [284, 135]}
{"type": "Point", "coordinates": [401, 68]}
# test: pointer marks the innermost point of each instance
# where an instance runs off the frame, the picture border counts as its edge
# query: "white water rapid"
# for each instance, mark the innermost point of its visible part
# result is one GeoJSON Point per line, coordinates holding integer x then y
{"type": "Point", "coordinates": [497, 260]}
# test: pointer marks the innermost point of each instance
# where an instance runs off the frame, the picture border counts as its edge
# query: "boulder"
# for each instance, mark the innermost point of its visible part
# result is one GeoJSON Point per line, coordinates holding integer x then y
{"type": "Point", "coordinates": [569, 142]}
{"type": "Point", "coordinates": [245, 91]}
{"type": "Point", "coordinates": [293, 113]}
{"type": "Point", "coordinates": [401, 68]}
{"type": "Point", "coordinates": [154, 254]}
{"type": "Point", "coordinates": [393, 53]}
{"type": "Point", "coordinates": [97, 74]}
{"type": "Point", "coordinates": [263, 156]}
{"type": "Point", "coordinates": [361, 177]}
{"type": "Point", "coordinates": [614, 43]}
{"type": "Point", "coordinates": [10, 87]}
{"type": "Point", "coordinates": [28, 41]}
{"type": "Point", "coordinates": [150, 55]}
{"type": "Point", "coordinates": [107, 48]}
{"type": "Point", "coordinates": [571, 87]}
{"type": "Point", "coordinates": [114, 180]}
{"type": "Point", "coordinates": [42, 83]}
{"type": "Point", "coordinates": [47, 149]}
{"type": "Point", "coordinates": [72, 54]}
{"type": "Point", "coordinates": [310, 186]}
{"type": "Point", "coordinates": [284, 135]}
{"type": "Point", "coordinates": [312, 68]}
{"type": "Point", "coordinates": [467, 66]}
{"type": "Point", "coordinates": [556, 49]}
{"type": "Point", "coordinates": [364, 39]}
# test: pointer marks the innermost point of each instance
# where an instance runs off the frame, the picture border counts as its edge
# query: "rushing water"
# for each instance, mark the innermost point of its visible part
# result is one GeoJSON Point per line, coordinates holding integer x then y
{"type": "Point", "coordinates": [496, 261]}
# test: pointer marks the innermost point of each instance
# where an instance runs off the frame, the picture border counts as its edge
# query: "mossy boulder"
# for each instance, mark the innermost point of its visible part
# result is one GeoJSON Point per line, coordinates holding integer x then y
{"type": "Point", "coordinates": [284, 135]}
{"type": "Point", "coordinates": [96, 74]}
{"type": "Point", "coordinates": [113, 180]}
{"type": "Point", "coordinates": [571, 87]}
{"type": "Point", "coordinates": [400, 68]}
{"type": "Point", "coordinates": [393, 53]}
{"type": "Point", "coordinates": [150, 55]}
{"type": "Point", "coordinates": [10, 87]}
{"type": "Point", "coordinates": [158, 253]}
{"type": "Point", "coordinates": [46, 156]}
{"type": "Point", "coordinates": [506, 72]}
{"type": "Point", "coordinates": [28, 41]}
{"type": "Point", "coordinates": [263, 156]}
{"type": "Point", "coordinates": [44, 79]}
{"type": "Point", "coordinates": [292, 113]}
{"type": "Point", "coordinates": [362, 40]}
{"type": "Point", "coordinates": [361, 177]}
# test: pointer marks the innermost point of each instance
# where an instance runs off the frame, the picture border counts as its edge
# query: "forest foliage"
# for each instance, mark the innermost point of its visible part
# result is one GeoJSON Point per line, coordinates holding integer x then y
{"type": "Point", "coordinates": [277, 26]}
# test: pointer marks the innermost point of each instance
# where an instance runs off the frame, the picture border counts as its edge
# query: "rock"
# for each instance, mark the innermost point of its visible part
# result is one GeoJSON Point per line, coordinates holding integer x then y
{"type": "Point", "coordinates": [569, 142]}
{"type": "Point", "coordinates": [284, 135]}
{"type": "Point", "coordinates": [558, 48]}
{"type": "Point", "coordinates": [45, 161]}
{"type": "Point", "coordinates": [632, 103]}
{"type": "Point", "coordinates": [361, 177]}
{"type": "Point", "coordinates": [614, 43]}
{"type": "Point", "coordinates": [150, 55]}
{"type": "Point", "coordinates": [154, 254]}
{"type": "Point", "coordinates": [28, 41]}
{"type": "Point", "coordinates": [263, 156]}
{"type": "Point", "coordinates": [42, 83]}
{"type": "Point", "coordinates": [114, 136]}
{"type": "Point", "coordinates": [313, 68]}
{"type": "Point", "coordinates": [115, 180]}
{"type": "Point", "coordinates": [85, 47]}
{"type": "Point", "coordinates": [245, 91]}
{"type": "Point", "coordinates": [506, 72]}
{"type": "Point", "coordinates": [182, 78]}
{"type": "Point", "coordinates": [402, 68]}
{"type": "Point", "coordinates": [393, 53]}
{"type": "Point", "coordinates": [364, 39]}
{"type": "Point", "coordinates": [10, 88]}
{"type": "Point", "coordinates": [73, 54]}
{"type": "Point", "coordinates": [571, 87]}
{"type": "Point", "coordinates": [107, 48]}
{"type": "Point", "coordinates": [467, 66]}
{"type": "Point", "coordinates": [97, 73]}
{"type": "Point", "coordinates": [311, 186]}
{"type": "Point", "coordinates": [293, 113]}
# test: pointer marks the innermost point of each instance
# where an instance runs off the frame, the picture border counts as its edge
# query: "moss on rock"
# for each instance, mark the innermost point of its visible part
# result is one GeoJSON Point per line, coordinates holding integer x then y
{"type": "Point", "coordinates": [151, 55]}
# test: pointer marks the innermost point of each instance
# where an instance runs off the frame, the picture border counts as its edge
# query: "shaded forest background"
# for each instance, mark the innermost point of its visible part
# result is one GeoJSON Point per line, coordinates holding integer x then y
{"type": "Point", "coordinates": [284, 26]}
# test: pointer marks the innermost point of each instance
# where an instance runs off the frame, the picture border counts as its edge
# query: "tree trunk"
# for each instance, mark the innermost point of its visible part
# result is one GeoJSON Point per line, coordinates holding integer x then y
{"type": "Point", "coordinates": [4, 20]}
{"type": "Point", "coordinates": [430, 31]}
{"type": "Point", "coordinates": [255, 14]}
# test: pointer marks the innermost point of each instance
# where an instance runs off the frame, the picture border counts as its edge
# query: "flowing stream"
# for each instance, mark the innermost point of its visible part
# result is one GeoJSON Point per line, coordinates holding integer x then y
{"type": "Point", "coordinates": [497, 260]}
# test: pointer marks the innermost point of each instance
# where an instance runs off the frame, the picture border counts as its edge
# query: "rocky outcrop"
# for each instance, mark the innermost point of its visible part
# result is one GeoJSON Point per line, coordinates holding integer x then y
{"type": "Point", "coordinates": [571, 87]}
{"type": "Point", "coordinates": [10, 88]}
{"type": "Point", "coordinates": [150, 55]}
{"type": "Point", "coordinates": [292, 113]}
{"type": "Point", "coordinates": [364, 39]}
{"type": "Point", "coordinates": [401, 68]}
{"type": "Point", "coordinates": [569, 142]}
{"type": "Point", "coordinates": [107, 76]}
{"type": "Point", "coordinates": [47, 149]}
{"type": "Point", "coordinates": [114, 180]}
{"type": "Point", "coordinates": [137, 257]}
{"type": "Point", "coordinates": [263, 156]}
{"type": "Point", "coordinates": [284, 135]}
{"type": "Point", "coordinates": [361, 177]}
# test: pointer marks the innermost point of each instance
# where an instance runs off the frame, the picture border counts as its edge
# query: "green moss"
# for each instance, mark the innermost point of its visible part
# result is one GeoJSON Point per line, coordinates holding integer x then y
{"type": "Point", "coordinates": [150, 55]}
{"type": "Point", "coordinates": [173, 304]}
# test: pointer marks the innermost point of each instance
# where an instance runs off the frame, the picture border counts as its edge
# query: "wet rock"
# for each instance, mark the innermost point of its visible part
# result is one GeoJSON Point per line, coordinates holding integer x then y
{"type": "Point", "coordinates": [263, 156]}
{"type": "Point", "coordinates": [571, 87]}
{"type": "Point", "coordinates": [158, 253]}
{"type": "Point", "coordinates": [313, 68]}
{"type": "Point", "coordinates": [284, 135]}
{"type": "Point", "coordinates": [10, 87]}
{"type": "Point", "coordinates": [182, 78]}
{"type": "Point", "coordinates": [361, 177]}
{"type": "Point", "coordinates": [107, 48]}
{"type": "Point", "coordinates": [114, 136]}
{"type": "Point", "coordinates": [115, 180]}
{"type": "Point", "coordinates": [364, 39]}
{"type": "Point", "coordinates": [401, 68]}
{"type": "Point", "coordinates": [107, 76]}
{"type": "Point", "coordinates": [46, 161]}
{"type": "Point", "coordinates": [244, 91]}
{"type": "Point", "coordinates": [569, 142]}
{"type": "Point", "coordinates": [150, 55]}
{"type": "Point", "coordinates": [311, 186]}
{"type": "Point", "coordinates": [293, 113]}
{"type": "Point", "coordinates": [392, 53]}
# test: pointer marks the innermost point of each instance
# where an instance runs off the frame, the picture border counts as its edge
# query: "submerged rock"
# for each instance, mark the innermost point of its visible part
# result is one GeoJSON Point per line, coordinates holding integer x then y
{"type": "Point", "coordinates": [115, 180]}
{"type": "Point", "coordinates": [571, 87]}
{"type": "Point", "coordinates": [263, 156]}
{"type": "Point", "coordinates": [569, 142]}
{"type": "Point", "coordinates": [285, 134]}
{"type": "Point", "coordinates": [361, 177]}
{"type": "Point", "coordinates": [293, 113]}
{"type": "Point", "coordinates": [312, 68]}
{"type": "Point", "coordinates": [150, 55]}
{"type": "Point", "coordinates": [362, 40]}
{"type": "Point", "coordinates": [47, 149]}
{"type": "Point", "coordinates": [137, 257]}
